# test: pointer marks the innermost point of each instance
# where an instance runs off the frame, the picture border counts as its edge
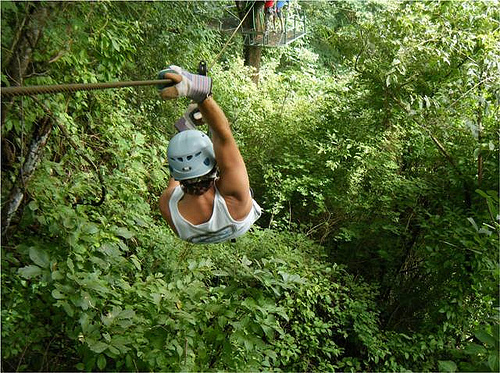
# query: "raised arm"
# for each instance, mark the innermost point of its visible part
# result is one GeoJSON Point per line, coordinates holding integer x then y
{"type": "Point", "coordinates": [233, 180]}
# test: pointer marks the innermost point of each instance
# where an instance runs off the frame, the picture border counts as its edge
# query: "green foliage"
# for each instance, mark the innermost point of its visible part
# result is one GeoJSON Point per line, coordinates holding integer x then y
{"type": "Point", "coordinates": [372, 146]}
{"type": "Point", "coordinates": [230, 308]}
{"type": "Point", "coordinates": [481, 355]}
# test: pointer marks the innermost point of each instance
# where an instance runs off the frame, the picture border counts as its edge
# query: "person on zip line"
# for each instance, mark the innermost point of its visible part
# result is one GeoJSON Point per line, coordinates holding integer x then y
{"type": "Point", "coordinates": [208, 198]}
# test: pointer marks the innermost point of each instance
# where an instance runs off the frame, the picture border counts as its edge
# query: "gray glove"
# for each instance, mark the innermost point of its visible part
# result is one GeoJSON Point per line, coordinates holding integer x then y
{"type": "Point", "coordinates": [196, 87]}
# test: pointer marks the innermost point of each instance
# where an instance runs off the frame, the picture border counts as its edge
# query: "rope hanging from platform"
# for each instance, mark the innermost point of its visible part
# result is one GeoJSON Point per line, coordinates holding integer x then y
{"type": "Point", "coordinates": [231, 37]}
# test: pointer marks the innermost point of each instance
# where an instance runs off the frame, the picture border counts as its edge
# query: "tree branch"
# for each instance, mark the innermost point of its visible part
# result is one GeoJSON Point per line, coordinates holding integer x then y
{"type": "Point", "coordinates": [16, 196]}
{"type": "Point", "coordinates": [22, 53]}
{"type": "Point", "coordinates": [440, 146]}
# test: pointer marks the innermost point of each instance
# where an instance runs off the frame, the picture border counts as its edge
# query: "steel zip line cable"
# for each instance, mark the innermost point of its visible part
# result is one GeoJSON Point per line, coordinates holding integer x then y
{"type": "Point", "coordinates": [58, 88]}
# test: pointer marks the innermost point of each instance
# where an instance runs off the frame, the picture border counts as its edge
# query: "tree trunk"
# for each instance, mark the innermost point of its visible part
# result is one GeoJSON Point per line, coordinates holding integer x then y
{"type": "Point", "coordinates": [16, 63]}
{"type": "Point", "coordinates": [38, 141]}
{"type": "Point", "coordinates": [30, 32]}
{"type": "Point", "coordinates": [252, 58]}
{"type": "Point", "coordinates": [252, 54]}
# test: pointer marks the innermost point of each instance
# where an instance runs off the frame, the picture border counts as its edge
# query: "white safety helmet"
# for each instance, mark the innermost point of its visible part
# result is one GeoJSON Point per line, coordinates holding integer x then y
{"type": "Point", "coordinates": [190, 155]}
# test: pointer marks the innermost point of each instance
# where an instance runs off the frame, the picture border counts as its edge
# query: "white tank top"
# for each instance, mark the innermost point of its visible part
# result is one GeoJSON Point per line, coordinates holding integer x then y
{"type": "Point", "coordinates": [221, 226]}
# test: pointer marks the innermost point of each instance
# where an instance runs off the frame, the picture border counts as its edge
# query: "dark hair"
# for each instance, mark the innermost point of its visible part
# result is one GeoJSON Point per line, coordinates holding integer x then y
{"type": "Point", "coordinates": [200, 185]}
{"type": "Point", "coordinates": [197, 188]}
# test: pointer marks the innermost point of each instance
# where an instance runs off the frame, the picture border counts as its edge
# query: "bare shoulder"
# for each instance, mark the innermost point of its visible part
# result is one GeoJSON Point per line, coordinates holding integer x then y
{"type": "Point", "coordinates": [164, 203]}
{"type": "Point", "coordinates": [239, 206]}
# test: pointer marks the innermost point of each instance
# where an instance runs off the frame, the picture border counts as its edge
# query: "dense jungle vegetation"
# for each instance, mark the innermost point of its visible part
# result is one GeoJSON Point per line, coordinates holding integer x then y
{"type": "Point", "coordinates": [371, 143]}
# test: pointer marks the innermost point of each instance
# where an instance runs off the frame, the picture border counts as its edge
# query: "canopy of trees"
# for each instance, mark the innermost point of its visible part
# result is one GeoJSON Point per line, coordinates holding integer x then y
{"type": "Point", "coordinates": [372, 145]}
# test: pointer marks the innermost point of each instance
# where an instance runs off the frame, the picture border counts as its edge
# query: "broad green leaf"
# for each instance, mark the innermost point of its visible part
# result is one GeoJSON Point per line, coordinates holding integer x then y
{"type": "Point", "coordinates": [116, 46]}
{"type": "Point", "coordinates": [482, 193]}
{"type": "Point", "coordinates": [113, 350]}
{"type": "Point", "coordinates": [156, 298]}
{"type": "Point", "coordinates": [245, 261]}
{"type": "Point", "coordinates": [110, 249]}
{"type": "Point", "coordinates": [71, 265]}
{"type": "Point", "coordinates": [90, 228]}
{"type": "Point", "coordinates": [120, 343]}
{"type": "Point", "coordinates": [129, 362]}
{"type": "Point", "coordinates": [30, 271]}
{"type": "Point", "coordinates": [67, 307]}
{"type": "Point", "coordinates": [39, 257]}
{"type": "Point", "coordinates": [123, 232]}
{"type": "Point", "coordinates": [86, 301]}
{"type": "Point", "coordinates": [123, 246]}
{"type": "Point", "coordinates": [100, 262]}
{"type": "Point", "coordinates": [493, 361]}
{"type": "Point", "coordinates": [97, 346]}
{"type": "Point", "coordinates": [101, 362]}
{"type": "Point", "coordinates": [248, 344]}
{"type": "Point", "coordinates": [33, 205]}
{"type": "Point", "coordinates": [56, 294]}
{"type": "Point", "coordinates": [136, 262]}
{"type": "Point", "coordinates": [84, 322]}
{"type": "Point", "coordinates": [447, 366]}
{"type": "Point", "coordinates": [126, 314]}
{"type": "Point", "coordinates": [57, 275]}
{"type": "Point", "coordinates": [474, 349]}
{"type": "Point", "coordinates": [485, 337]}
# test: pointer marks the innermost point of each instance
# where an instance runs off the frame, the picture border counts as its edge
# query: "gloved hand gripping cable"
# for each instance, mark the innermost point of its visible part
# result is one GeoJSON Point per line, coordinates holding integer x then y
{"type": "Point", "coordinates": [195, 86]}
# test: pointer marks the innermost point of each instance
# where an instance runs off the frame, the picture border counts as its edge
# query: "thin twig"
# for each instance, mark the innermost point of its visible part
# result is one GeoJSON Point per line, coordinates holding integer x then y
{"type": "Point", "coordinates": [440, 146]}
{"type": "Point", "coordinates": [185, 350]}
{"type": "Point", "coordinates": [22, 357]}
{"type": "Point", "coordinates": [466, 93]}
